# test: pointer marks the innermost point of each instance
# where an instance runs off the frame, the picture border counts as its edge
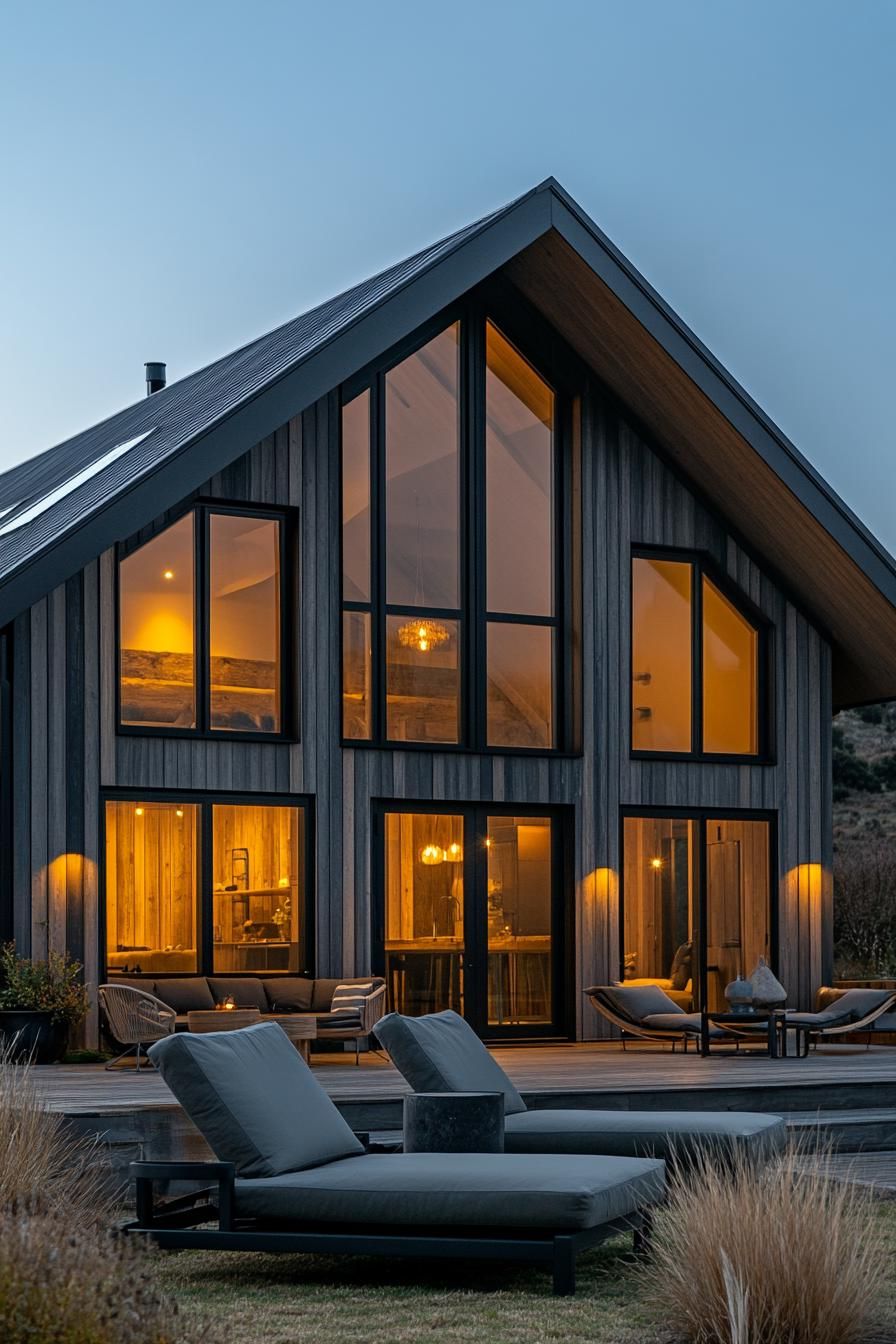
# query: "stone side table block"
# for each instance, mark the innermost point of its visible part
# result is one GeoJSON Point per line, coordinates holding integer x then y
{"type": "Point", "coordinates": [454, 1122]}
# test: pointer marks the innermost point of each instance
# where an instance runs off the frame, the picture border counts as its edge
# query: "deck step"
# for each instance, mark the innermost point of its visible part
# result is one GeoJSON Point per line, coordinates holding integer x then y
{"type": "Point", "coordinates": [868, 1130]}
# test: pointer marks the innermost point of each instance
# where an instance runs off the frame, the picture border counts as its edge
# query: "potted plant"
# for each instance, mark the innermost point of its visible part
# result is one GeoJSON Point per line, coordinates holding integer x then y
{"type": "Point", "coordinates": [40, 1003]}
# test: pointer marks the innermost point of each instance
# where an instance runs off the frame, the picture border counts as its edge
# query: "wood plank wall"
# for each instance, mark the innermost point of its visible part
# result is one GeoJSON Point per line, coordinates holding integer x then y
{"type": "Point", "coordinates": [67, 747]}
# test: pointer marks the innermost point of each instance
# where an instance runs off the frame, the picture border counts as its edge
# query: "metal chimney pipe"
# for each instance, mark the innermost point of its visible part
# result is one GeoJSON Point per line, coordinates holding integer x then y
{"type": "Point", "coordinates": [155, 378]}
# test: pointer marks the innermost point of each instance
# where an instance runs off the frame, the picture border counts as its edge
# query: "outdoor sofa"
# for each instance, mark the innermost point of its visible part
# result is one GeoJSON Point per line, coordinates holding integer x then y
{"type": "Point", "coordinates": [274, 997]}
{"type": "Point", "coordinates": [442, 1053]}
{"type": "Point", "coordinates": [291, 1176]}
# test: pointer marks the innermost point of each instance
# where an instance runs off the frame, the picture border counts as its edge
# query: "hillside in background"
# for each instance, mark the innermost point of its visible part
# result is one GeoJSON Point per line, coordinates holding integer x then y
{"type": "Point", "coordinates": [865, 842]}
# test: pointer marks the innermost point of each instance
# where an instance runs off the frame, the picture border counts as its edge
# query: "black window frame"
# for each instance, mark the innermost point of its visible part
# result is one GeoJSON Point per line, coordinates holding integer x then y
{"type": "Point", "coordinates": [701, 816]}
{"type": "Point", "coordinates": [206, 800]}
{"type": "Point", "coordinates": [202, 509]}
{"type": "Point", "coordinates": [561, 372]}
{"type": "Point", "coordinates": [703, 565]}
{"type": "Point", "coordinates": [475, 875]}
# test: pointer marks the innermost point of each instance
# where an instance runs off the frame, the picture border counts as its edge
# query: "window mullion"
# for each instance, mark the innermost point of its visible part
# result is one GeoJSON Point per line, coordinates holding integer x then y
{"type": "Point", "coordinates": [697, 667]}
{"type": "Point", "coordinates": [474, 631]}
{"type": "Point", "coordinates": [202, 669]}
{"type": "Point", "coordinates": [378, 558]}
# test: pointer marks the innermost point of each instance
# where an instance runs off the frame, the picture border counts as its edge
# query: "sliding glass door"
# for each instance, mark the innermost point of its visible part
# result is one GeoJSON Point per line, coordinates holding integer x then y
{"type": "Point", "coordinates": [696, 902]}
{"type": "Point", "coordinates": [471, 916]}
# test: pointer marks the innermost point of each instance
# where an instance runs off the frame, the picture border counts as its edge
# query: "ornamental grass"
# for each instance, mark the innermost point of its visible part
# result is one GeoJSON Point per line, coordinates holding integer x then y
{"type": "Point", "coordinates": [781, 1254]}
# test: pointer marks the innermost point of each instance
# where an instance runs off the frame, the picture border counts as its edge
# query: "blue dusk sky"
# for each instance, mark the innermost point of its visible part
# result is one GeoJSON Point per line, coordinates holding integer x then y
{"type": "Point", "coordinates": [178, 178]}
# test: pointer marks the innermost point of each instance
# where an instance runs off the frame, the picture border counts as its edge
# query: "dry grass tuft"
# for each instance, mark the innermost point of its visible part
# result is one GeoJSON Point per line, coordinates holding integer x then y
{"type": "Point", "coordinates": [43, 1166]}
{"type": "Point", "coordinates": [779, 1255]}
{"type": "Point", "coordinates": [64, 1283]}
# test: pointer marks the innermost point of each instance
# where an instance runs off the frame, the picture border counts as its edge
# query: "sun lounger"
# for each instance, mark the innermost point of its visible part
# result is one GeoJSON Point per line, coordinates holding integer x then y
{"type": "Point", "coordinates": [291, 1175]}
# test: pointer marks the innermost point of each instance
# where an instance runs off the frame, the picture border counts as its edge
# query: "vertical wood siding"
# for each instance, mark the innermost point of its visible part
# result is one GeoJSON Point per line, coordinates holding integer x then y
{"type": "Point", "coordinates": [67, 747]}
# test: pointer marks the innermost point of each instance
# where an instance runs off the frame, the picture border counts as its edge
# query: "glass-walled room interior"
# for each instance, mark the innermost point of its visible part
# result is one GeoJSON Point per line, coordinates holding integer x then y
{"type": "Point", "coordinates": [696, 909]}
{"type": "Point", "coordinates": [471, 905]}
{"type": "Point", "coordinates": [205, 888]}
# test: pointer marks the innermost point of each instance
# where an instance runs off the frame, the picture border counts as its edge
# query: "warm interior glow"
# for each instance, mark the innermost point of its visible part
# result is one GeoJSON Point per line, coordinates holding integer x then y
{"type": "Point", "coordinates": [151, 888]}
{"type": "Point", "coordinates": [423, 634]}
{"type": "Point", "coordinates": [169, 574]}
{"type": "Point", "coordinates": [432, 855]}
{"type": "Point", "coordinates": [157, 630]}
{"type": "Point", "coordinates": [257, 853]}
{"type": "Point", "coordinates": [454, 853]}
{"type": "Point", "coordinates": [656, 863]}
{"type": "Point", "coordinates": [661, 655]}
{"type": "Point", "coordinates": [730, 676]}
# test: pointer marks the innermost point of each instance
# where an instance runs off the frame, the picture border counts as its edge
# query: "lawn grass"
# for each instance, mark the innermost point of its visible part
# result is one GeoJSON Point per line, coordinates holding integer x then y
{"type": "Point", "coordinates": [263, 1299]}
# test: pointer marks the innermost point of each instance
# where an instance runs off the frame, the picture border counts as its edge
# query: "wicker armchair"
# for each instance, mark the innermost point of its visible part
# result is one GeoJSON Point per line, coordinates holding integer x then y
{"type": "Point", "coordinates": [134, 1018]}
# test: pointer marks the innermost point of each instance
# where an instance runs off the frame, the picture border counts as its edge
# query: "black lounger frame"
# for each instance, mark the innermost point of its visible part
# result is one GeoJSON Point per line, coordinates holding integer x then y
{"type": "Point", "coordinates": [175, 1224]}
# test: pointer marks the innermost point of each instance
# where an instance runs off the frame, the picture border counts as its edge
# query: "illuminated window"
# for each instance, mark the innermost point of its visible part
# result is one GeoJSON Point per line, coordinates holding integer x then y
{"type": "Point", "coordinates": [450, 545]}
{"type": "Point", "coordinates": [692, 648]}
{"type": "Point", "coordinates": [205, 652]}
{"type": "Point", "coordinates": [244, 910]}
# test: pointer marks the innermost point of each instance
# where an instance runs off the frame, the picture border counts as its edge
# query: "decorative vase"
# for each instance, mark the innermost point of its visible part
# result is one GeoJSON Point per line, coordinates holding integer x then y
{"type": "Point", "coordinates": [768, 992]}
{"type": "Point", "coordinates": [33, 1036]}
{"type": "Point", "coordinates": [739, 995]}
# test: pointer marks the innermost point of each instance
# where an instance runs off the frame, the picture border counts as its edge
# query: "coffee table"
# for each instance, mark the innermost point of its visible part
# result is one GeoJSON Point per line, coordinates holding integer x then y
{"type": "Point", "coordinates": [222, 1019]}
{"type": "Point", "coordinates": [301, 1028]}
{"type": "Point", "coordinates": [773, 1019]}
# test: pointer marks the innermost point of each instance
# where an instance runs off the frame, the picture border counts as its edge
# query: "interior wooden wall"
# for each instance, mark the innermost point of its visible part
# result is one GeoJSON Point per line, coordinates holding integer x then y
{"type": "Point", "coordinates": [67, 746]}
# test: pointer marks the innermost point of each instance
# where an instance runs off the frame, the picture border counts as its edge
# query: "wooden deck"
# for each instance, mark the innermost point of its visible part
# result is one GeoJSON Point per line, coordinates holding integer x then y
{"type": "Point", "coordinates": [589, 1075]}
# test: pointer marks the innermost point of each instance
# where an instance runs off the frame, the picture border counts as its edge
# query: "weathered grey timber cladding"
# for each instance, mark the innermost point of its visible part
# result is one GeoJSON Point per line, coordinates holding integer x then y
{"type": "Point", "coordinates": [67, 747]}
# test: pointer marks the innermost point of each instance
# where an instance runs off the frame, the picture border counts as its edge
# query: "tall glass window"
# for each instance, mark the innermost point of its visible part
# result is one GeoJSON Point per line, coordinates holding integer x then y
{"type": "Point", "coordinates": [450, 548]}
{"type": "Point", "coordinates": [257, 888]}
{"type": "Point", "coordinates": [424, 912]}
{"type": "Point", "coordinates": [201, 635]}
{"type": "Point", "coordinates": [696, 904]}
{"type": "Point", "coordinates": [158, 630]}
{"type": "Point", "coordinates": [244, 623]}
{"type": "Point", "coordinates": [695, 663]}
{"type": "Point", "coordinates": [151, 888]}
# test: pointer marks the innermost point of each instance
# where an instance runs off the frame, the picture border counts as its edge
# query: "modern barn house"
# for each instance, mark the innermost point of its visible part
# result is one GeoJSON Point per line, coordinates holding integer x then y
{"type": "Point", "coordinates": [474, 628]}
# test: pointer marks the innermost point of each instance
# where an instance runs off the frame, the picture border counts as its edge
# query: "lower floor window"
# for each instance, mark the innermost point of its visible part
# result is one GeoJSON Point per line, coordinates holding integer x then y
{"type": "Point", "coordinates": [696, 903]}
{"type": "Point", "coordinates": [205, 887]}
{"type": "Point", "coordinates": [473, 915]}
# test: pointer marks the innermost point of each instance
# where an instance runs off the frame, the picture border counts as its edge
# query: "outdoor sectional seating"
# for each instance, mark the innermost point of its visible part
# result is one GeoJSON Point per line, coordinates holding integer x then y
{"type": "Point", "coordinates": [442, 1053]}
{"type": "Point", "coordinates": [274, 997]}
{"type": "Point", "coordinates": [291, 1176]}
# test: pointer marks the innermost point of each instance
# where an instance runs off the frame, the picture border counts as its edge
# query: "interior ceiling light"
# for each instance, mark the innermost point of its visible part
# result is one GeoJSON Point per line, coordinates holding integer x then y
{"type": "Point", "coordinates": [423, 634]}
{"type": "Point", "coordinates": [432, 854]}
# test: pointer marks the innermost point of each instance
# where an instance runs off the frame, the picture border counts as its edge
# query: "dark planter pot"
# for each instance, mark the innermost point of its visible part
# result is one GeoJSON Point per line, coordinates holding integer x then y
{"type": "Point", "coordinates": [33, 1036]}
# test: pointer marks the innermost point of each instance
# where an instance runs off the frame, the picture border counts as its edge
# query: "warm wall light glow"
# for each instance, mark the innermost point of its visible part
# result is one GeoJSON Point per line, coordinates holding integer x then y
{"type": "Point", "coordinates": [656, 863]}
{"type": "Point", "coordinates": [488, 842]}
{"type": "Point", "coordinates": [138, 811]}
{"type": "Point", "coordinates": [432, 854]}
{"type": "Point", "coordinates": [454, 853]}
{"type": "Point", "coordinates": [179, 811]}
{"type": "Point", "coordinates": [169, 574]}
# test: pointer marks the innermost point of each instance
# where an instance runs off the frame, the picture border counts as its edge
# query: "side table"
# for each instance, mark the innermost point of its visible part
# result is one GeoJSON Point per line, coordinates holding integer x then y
{"type": "Point", "coordinates": [454, 1122]}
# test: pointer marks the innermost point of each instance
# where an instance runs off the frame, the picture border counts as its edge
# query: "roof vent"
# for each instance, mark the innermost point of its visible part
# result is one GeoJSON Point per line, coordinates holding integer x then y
{"type": "Point", "coordinates": [155, 378]}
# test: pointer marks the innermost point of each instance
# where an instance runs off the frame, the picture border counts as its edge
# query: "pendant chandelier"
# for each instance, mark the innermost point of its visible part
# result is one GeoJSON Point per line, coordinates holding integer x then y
{"type": "Point", "coordinates": [423, 633]}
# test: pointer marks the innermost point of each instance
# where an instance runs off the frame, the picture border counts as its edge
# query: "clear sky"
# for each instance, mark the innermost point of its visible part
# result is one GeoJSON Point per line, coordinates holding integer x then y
{"type": "Point", "coordinates": [176, 178]}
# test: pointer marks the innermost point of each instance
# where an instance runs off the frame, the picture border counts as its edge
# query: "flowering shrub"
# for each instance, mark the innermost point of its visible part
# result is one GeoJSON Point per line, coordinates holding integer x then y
{"type": "Point", "coordinates": [52, 986]}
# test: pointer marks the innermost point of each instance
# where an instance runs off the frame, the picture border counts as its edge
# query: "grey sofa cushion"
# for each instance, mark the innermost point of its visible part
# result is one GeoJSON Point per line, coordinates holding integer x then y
{"type": "Point", "coordinates": [254, 1100]}
{"type": "Point", "coordinates": [325, 989]}
{"type": "Point", "coordinates": [451, 1189]}
{"type": "Point", "coordinates": [245, 991]}
{"type": "Point", "coordinates": [643, 1133]}
{"type": "Point", "coordinates": [288, 994]}
{"type": "Point", "coordinates": [442, 1053]}
{"type": "Point", "coordinates": [186, 995]}
{"type": "Point", "coordinates": [636, 1002]}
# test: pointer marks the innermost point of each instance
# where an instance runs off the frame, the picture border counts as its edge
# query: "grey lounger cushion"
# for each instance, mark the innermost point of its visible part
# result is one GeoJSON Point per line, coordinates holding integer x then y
{"type": "Point", "coordinates": [254, 1099]}
{"type": "Point", "coordinates": [643, 1133]}
{"type": "Point", "coordinates": [442, 1053]}
{"type": "Point", "coordinates": [637, 1001]}
{"type": "Point", "coordinates": [459, 1189]}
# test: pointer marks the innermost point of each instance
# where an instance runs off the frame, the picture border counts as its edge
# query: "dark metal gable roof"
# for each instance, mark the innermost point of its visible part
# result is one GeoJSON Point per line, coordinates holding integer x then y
{"type": "Point", "coordinates": [81, 496]}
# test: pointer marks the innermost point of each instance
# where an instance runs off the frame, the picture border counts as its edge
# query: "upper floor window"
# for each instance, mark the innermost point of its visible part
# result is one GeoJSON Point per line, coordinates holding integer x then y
{"type": "Point", "coordinates": [450, 544]}
{"type": "Point", "coordinates": [202, 635]}
{"type": "Point", "coordinates": [697, 663]}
